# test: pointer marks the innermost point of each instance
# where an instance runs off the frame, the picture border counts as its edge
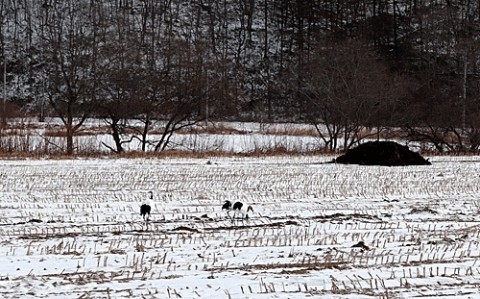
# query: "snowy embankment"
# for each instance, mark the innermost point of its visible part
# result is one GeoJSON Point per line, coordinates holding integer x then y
{"type": "Point", "coordinates": [71, 228]}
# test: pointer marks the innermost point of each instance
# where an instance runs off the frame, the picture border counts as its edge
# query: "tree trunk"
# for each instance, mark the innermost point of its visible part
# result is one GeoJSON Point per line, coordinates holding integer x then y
{"type": "Point", "coordinates": [69, 131]}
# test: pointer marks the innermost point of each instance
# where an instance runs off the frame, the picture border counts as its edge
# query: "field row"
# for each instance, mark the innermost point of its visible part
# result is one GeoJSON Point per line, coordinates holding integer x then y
{"type": "Point", "coordinates": [71, 229]}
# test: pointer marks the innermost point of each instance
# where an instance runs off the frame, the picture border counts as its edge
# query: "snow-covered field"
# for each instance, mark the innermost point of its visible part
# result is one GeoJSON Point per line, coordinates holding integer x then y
{"type": "Point", "coordinates": [72, 229]}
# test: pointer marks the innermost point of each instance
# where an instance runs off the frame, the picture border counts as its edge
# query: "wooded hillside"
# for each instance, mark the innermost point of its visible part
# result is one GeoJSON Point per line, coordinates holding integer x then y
{"type": "Point", "coordinates": [343, 66]}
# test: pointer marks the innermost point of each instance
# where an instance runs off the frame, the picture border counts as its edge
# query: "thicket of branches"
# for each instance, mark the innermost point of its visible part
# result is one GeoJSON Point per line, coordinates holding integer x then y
{"type": "Point", "coordinates": [346, 67]}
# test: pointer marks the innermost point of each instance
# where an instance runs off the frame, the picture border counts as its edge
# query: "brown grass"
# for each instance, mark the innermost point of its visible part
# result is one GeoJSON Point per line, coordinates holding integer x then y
{"type": "Point", "coordinates": [16, 142]}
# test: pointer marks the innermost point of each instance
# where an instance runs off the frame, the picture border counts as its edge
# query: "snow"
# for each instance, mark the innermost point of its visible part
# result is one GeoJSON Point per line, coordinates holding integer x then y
{"type": "Point", "coordinates": [239, 137]}
{"type": "Point", "coordinates": [421, 225]}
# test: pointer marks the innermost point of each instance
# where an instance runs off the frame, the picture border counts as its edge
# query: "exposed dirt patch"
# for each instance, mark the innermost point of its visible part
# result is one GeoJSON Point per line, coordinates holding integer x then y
{"type": "Point", "coordinates": [386, 153]}
{"type": "Point", "coordinates": [263, 225]}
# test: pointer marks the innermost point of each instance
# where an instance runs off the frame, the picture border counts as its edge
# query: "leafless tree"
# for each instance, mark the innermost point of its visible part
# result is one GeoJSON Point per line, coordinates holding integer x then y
{"type": "Point", "coordinates": [342, 91]}
{"type": "Point", "coordinates": [68, 51]}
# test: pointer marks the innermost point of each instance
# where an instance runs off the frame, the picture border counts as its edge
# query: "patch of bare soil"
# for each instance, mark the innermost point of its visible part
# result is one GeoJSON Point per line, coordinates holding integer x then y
{"type": "Point", "coordinates": [385, 153]}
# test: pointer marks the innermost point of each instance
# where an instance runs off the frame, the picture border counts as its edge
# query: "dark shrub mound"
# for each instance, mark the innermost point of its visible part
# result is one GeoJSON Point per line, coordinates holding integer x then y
{"type": "Point", "coordinates": [385, 153]}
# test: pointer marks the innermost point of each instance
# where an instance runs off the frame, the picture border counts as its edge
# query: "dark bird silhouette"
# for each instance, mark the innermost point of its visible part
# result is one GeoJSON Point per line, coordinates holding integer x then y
{"type": "Point", "coordinates": [361, 245]}
{"type": "Point", "coordinates": [145, 211]}
{"type": "Point", "coordinates": [227, 205]}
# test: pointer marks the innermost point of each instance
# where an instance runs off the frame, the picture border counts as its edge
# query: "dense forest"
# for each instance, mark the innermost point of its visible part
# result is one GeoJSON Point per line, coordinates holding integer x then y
{"type": "Point", "coordinates": [345, 67]}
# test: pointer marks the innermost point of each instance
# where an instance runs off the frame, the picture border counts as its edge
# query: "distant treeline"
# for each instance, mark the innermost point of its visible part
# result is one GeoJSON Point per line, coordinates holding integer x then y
{"type": "Point", "coordinates": [346, 67]}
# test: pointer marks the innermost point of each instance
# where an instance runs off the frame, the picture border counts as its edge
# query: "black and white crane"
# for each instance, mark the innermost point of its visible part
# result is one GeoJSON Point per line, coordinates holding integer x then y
{"type": "Point", "coordinates": [238, 208]}
{"type": "Point", "coordinates": [146, 207]}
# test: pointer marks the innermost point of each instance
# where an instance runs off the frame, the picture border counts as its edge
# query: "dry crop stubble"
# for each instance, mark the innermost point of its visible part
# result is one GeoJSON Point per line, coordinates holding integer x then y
{"type": "Point", "coordinates": [419, 225]}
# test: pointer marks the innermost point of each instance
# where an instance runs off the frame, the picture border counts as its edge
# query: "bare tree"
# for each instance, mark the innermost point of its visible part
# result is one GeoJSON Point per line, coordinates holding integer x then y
{"type": "Point", "coordinates": [342, 90]}
{"type": "Point", "coordinates": [179, 93]}
{"type": "Point", "coordinates": [119, 74]}
{"type": "Point", "coordinates": [68, 56]}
